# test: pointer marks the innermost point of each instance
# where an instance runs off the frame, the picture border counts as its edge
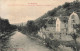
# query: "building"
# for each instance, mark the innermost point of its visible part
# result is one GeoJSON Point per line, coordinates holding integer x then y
{"type": "Point", "coordinates": [64, 24]}
{"type": "Point", "coordinates": [61, 24]}
{"type": "Point", "coordinates": [73, 20]}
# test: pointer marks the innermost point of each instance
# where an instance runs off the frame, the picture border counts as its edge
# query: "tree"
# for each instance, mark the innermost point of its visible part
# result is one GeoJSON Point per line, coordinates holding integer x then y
{"type": "Point", "coordinates": [75, 35]}
{"type": "Point", "coordinates": [31, 27]}
{"type": "Point", "coordinates": [4, 25]}
{"type": "Point", "coordinates": [66, 5]}
{"type": "Point", "coordinates": [5, 29]}
{"type": "Point", "coordinates": [51, 21]}
{"type": "Point", "coordinates": [77, 27]}
{"type": "Point", "coordinates": [53, 12]}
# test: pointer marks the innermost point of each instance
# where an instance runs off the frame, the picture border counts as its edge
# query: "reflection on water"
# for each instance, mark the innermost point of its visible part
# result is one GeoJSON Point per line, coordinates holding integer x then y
{"type": "Point", "coordinates": [20, 42]}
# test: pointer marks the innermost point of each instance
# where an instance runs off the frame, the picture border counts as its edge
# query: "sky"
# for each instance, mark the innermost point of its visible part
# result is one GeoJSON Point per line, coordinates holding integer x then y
{"type": "Point", "coordinates": [18, 11]}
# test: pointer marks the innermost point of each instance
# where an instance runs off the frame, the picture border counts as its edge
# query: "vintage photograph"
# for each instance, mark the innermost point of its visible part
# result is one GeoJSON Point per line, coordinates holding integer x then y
{"type": "Point", "coordinates": [39, 25]}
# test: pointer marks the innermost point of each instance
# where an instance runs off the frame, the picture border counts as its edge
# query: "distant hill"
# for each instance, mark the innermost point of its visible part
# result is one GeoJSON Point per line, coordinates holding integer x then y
{"type": "Point", "coordinates": [64, 10]}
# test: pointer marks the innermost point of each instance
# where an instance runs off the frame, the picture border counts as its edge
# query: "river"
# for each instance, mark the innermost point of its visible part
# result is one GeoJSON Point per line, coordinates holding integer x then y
{"type": "Point", "coordinates": [21, 42]}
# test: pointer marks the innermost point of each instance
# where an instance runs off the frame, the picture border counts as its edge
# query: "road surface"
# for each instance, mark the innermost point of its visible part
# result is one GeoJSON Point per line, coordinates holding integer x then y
{"type": "Point", "coordinates": [20, 42]}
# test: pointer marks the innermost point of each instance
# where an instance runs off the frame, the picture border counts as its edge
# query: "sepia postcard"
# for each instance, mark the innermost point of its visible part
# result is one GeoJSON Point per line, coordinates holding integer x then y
{"type": "Point", "coordinates": [39, 25]}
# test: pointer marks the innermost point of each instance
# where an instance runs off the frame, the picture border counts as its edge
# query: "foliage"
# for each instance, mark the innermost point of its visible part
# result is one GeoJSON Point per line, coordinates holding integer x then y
{"type": "Point", "coordinates": [76, 34]}
{"type": "Point", "coordinates": [5, 26]}
{"type": "Point", "coordinates": [6, 29]}
{"type": "Point", "coordinates": [41, 22]}
{"type": "Point", "coordinates": [66, 5]}
{"type": "Point", "coordinates": [53, 44]}
{"type": "Point", "coordinates": [31, 27]}
{"type": "Point", "coordinates": [77, 27]}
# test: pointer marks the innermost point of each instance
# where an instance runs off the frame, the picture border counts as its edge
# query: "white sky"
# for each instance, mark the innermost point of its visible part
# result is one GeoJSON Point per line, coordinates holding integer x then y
{"type": "Point", "coordinates": [18, 11]}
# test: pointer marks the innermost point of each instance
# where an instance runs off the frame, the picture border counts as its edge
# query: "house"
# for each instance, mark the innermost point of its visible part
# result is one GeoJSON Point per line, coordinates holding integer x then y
{"type": "Point", "coordinates": [73, 19]}
{"type": "Point", "coordinates": [61, 24]}
{"type": "Point", "coordinates": [66, 23]}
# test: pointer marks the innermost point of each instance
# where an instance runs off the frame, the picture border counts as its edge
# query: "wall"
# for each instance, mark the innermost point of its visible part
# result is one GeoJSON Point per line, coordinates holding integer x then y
{"type": "Point", "coordinates": [58, 25]}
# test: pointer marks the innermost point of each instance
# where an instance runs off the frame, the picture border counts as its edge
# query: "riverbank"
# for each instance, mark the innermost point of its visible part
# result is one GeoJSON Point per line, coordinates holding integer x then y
{"type": "Point", "coordinates": [6, 35]}
{"type": "Point", "coordinates": [4, 40]}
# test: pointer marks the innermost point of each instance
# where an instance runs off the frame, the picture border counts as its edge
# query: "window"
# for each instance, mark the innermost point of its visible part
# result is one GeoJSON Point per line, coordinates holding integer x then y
{"type": "Point", "coordinates": [73, 21]}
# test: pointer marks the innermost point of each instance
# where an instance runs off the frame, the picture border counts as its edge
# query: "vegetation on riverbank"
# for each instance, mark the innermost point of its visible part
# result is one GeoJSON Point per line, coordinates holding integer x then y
{"type": "Point", "coordinates": [6, 28]}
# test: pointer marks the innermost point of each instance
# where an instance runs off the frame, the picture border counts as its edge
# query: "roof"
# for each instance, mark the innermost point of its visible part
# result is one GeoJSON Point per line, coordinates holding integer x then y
{"type": "Point", "coordinates": [76, 14]}
{"type": "Point", "coordinates": [64, 18]}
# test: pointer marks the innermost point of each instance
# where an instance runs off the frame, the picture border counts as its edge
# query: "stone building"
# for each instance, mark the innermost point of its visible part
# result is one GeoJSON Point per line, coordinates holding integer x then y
{"type": "Point", "coordinates": [66, 23]}
{"type": "Point", "coordinates": [61, 24]}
